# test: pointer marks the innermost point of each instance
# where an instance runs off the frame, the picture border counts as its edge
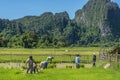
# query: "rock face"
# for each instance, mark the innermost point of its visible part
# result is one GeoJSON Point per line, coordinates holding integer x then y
{"type": "Point", "coordinates": [103, 14]}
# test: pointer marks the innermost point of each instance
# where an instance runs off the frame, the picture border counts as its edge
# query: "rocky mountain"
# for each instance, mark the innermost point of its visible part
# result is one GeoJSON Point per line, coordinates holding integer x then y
{"type": "Point", "coordinates": [97, 22]}
{"type": "Point", "coordinates": [102, 15]}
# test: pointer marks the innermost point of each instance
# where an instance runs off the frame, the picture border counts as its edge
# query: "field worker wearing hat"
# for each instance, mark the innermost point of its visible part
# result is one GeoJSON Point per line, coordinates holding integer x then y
{"type": "Point", "coordinates": [77, 61]}
{"type": "Point", "coordinates": [43, 65]}
{"type": "Point", "coordinates": [50, 58]}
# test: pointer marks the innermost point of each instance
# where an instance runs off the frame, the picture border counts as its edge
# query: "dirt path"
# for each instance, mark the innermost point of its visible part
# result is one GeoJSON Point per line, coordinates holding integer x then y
{"type": "Point", "coordinates": [59, 65]}
{"type": "Point", "coordinates": [11, 65]}
{"type": "Point", "coordinates": [63, 65]}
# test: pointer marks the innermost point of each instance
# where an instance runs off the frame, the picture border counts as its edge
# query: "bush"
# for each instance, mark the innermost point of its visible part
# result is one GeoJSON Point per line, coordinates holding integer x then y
{"type": "Point", "coordinates": [82, 65]}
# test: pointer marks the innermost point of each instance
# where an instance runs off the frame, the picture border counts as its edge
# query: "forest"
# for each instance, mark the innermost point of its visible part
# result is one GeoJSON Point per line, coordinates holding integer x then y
{"type": "Point", "coordinates": [96, 24]}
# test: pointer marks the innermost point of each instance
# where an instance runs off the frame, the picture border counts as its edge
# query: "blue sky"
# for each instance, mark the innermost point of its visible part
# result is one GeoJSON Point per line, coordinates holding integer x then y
{"type": "Point", "coordinates": [13, 9]}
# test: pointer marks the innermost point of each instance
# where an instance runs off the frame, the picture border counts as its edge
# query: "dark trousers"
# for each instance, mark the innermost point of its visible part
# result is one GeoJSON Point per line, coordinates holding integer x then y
{"type": "Point", "coordinates": [30, 69]}
{"type": "Point", "coordinates": [77, 65]}
{"type": "Point", "coordinates": [35, 69]}
{"type": "Point", "coordinates": [94, 64]}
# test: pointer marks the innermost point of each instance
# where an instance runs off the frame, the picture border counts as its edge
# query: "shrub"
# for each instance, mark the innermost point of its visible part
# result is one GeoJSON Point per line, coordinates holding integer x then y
{"type": "Point", "coordinates": [82, 65]}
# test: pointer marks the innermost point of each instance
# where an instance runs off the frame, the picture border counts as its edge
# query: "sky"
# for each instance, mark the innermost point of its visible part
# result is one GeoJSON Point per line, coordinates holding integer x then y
{"type": "Point", "coordinates": [14, 9]}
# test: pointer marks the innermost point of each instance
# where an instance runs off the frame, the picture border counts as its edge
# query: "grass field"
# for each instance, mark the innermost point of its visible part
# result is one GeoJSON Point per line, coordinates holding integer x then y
{"type": "Point", "coordinates": [74, 50]}
{"type": "Point", "coordinates": [49, 51]}
{"type": "Point", "coordinates": [97, 73]}
{"type": "Point", "coordinates": [61, 74]}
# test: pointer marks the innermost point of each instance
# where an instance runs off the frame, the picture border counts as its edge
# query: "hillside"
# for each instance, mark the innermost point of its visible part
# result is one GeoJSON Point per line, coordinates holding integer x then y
{"type": "Point", "coordinates": [97, 22]}
{"type": "Point", "coordinates": [99, 18]}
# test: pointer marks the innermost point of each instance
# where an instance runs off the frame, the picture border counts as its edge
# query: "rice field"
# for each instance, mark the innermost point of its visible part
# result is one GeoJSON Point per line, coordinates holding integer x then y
{"type": "Point", "coordinates": [38, 54]}
{"type": "Point", "coordinates": [97, 73]}
{"type": "Point", "coordinates": [75, 50]}
{"type": "Point", "coordinates": [61, 74]}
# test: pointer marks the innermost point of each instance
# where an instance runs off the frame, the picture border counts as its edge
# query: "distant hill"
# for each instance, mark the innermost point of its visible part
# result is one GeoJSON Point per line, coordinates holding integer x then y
{"type": "Point", "coordinates": [97, 22]}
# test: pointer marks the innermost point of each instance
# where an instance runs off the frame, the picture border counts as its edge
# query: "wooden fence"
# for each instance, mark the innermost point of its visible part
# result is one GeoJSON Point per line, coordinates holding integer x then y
{"type": "Point", "coordinates": [110, 57]}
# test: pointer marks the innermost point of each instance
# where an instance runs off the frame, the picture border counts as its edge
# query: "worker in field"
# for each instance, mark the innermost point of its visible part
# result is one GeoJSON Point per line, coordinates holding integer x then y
{"type": "Point", "coordinates": [94, 60]}
{"type": "Point", "coordinates": [49, 59]}
{"type": "Point", "coordinates": [29, 64]}
{"type": "Point", "coordinates": [35, 67]}
{"type": "Point", "coordinates": [43, 65]}
{"type": "Point", "coordinates": [77, 61]}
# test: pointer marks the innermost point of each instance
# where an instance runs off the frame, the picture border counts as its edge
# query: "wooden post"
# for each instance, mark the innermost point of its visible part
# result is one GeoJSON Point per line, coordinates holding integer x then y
{"type": "Point", "coordinates": [117, 58]}
{"type": "Point", "coordinates": [70, 58]}
{"type": "Point", "coordinates": [110, 58]}
{"type": "Point", "coordinates": [116, 55]}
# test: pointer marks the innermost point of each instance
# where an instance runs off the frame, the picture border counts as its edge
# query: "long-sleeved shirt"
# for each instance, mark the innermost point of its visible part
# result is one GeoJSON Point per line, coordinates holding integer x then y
{"type": "Point", "coordinates": [77, 60]}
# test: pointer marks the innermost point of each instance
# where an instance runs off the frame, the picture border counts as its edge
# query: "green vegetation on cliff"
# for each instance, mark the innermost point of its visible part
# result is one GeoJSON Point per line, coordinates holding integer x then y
{"type": "Point", "coordinates": [95, 24]}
